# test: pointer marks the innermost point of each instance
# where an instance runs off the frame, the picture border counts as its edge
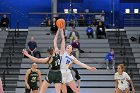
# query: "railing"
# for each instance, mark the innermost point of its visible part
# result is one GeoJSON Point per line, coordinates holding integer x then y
{"type": "Point", "coordinates": [44, 19]}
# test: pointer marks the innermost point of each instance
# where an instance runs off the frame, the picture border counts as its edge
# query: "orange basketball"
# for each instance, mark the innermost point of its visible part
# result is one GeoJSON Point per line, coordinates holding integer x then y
{"type": "Point", "coordinates": [60, 23]}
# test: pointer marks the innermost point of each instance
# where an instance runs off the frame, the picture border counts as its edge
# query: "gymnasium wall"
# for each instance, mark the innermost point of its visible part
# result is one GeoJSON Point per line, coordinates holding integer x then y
{"type": "Point", "coordinates": [19, 9]}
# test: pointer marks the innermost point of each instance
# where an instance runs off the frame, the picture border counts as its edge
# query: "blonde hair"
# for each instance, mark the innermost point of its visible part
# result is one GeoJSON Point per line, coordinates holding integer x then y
{"type": "Point", "coordinates": [122, 66]}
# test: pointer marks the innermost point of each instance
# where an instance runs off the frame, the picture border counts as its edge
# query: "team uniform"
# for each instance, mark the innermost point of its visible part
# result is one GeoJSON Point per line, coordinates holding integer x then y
{"type": "Point", "coordinates": [66, 60]}
{"type": "Point", "coordinates": [32, 81]}
{"type": "Point", "coordinates": [54, 75]}
{"type": "Point", "coordinates": [122, 80]}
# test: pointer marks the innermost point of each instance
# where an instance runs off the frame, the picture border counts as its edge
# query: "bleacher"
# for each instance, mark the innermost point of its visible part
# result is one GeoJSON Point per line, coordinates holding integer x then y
{"type": "Point", "coordinates": [101, 81]}
{"type": "Point", "coordinates": [95, 51]}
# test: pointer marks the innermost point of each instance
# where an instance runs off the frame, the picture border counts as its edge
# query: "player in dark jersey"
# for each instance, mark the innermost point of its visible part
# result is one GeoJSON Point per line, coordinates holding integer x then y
{"type": "Point", "coordinates": [31, 77]}
{"type": "Point", "coordinates": [54, 75]}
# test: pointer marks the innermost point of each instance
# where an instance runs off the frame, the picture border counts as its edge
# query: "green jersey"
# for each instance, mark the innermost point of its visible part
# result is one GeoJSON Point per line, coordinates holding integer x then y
{"type": "Point", "coordinates": [32, 79]}
{"type": "Point", "coordinates": [55, 64]}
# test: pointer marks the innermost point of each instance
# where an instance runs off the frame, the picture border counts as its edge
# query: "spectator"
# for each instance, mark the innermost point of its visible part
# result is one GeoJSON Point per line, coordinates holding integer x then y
{"type": "Point", "coordinates": [90, 32]}
{"type": "Point", "coordinates": [1, 86]}
{"type": "Point", "coordinates": [71, 24]}
{"type": "Point", "coordinates": [32, 48]}
{"type": "Point", "coordinates": [75, 75]}
{"type": "Point", "coordinates": [54, 27]}
{"type": "Point", "coordinates": [100, 31]}
{"type": "Point", "coordinates": [76, 47]}
{"type": "Point", "coordinates": [73, 34]}
{"type": "Point", "coordinates": [81, 20]}
{"type": "Point", "coordinates": [110, 58]}
{"type": "Point", "coordinates": [4, 22]}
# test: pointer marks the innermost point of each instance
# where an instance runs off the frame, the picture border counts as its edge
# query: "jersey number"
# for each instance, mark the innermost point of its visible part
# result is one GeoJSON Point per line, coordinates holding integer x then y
{"type": "Point", "coordinates": [57, 62]}
{"type": "Point", "coordinates": [33, 79]}
{"type": "Point", "coordinates": [67, 62]}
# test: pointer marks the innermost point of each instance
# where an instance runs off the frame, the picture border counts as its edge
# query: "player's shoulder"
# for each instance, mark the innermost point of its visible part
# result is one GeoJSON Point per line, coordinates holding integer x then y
{"type": "Point", "coordinates": [28, 71]}
{"type": "Point", "coordinates": [124, 73]}
{"type": "Point", "coordinates": [116, 73]}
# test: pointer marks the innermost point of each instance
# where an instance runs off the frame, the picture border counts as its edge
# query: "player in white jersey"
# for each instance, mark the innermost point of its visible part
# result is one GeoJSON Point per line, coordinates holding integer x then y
{"type": "Point", "coordinates": [122, 79]}
{"type": "Point", "coordinates": [66, 59]}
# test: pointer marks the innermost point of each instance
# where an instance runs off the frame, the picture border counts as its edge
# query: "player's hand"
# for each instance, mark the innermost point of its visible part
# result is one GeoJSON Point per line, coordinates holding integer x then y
{"type": "Point", "coordinates": [28, 87]}
{"type": "Point", "coordinates": [92, 69]}
{"type": "Point", "coordinates": [24, 51]}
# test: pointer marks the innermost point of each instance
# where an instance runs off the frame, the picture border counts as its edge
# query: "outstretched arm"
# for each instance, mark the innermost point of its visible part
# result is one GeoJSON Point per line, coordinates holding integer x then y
{"type": "Point", "coordinates": [40, 60]}
{"type": "Point", "coordinates": [62, 42]}
{"type": "Point", "coordinates": [133, 89]}
{"type": "Point", "coordinates": [83, 65]}
{"type": "Point", "coordinates": [55, 42]}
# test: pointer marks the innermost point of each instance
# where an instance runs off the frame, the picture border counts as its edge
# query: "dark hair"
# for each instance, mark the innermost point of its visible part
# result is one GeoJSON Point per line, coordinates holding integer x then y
{"type": "Point", "coordinates": [72, 51]}
{"type": "Point", "coordinates": [50, 50]}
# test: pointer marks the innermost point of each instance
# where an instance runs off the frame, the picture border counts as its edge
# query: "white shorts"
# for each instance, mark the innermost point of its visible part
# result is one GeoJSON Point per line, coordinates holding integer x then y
{"type": "Point", "coordinates": [66, 76]}
{"type": "Point", "coordinates": [122, 88]}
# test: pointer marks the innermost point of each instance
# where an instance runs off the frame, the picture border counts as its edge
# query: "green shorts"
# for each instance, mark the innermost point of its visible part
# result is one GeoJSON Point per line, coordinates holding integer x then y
{"type": "Point", "coordinates": [54, 77]}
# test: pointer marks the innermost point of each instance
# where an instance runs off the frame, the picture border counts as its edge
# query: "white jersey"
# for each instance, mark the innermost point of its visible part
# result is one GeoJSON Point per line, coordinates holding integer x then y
{"type": "Point", "coordinates": [66, 60]}
{"type": "Point", "coordinates": [122, 79]}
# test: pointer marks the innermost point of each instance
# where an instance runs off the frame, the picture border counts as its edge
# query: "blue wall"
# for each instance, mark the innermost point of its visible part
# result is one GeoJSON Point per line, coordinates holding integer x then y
{"type": "Point", "coordinates": [106, 5]}
{"type": "Point", "coordinates": [19, 9]}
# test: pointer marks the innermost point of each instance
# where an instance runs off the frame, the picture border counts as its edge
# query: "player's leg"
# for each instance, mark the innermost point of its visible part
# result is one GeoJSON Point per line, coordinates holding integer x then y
{"type": "Point", "coordinates": [27, 90]}
{"type": "Point", "coordinates": [64, 88]}
{"type": "Point", "coordinates": [126, 90]}
{"type": "Point", "coordinates": [72, 85]}
{"type": "Point", "coordinates": [58, 87]}
{"type": "Point", "coordinates": [118, 90]}
{"type": "Point", "coordinates": [44, 86]}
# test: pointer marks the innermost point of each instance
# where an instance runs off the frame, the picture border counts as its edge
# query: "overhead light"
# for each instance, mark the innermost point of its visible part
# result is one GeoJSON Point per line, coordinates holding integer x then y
{"type": "Point", "coordinates": [74, 10]}
{"type": "Point", "coordinates": [66, 10]}
{"type": "Point", "coordinates": [127, 11]}
{"type": "Point", "coordinates": [136, 11]}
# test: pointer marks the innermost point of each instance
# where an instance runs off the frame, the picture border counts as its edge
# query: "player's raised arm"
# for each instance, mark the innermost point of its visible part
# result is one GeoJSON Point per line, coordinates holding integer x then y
{"type": "Point", "coordinates": [55, 42]}
{"type": "Point", "coordinates": [40, 60]}
{"type": "Point", "coordinates": [62, 41]}
{"type": "Point", "coordinates": [83, 65]}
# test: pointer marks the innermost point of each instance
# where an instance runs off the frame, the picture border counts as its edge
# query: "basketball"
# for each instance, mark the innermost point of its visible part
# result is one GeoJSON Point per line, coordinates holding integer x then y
{"type": "Point", "coordinates": [60, 23]}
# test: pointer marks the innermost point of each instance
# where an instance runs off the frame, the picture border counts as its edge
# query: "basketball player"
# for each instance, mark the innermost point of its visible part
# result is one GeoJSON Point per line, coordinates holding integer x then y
{"type": "Point", "coordinates": [31, 77]}
{"type": "Point", "coordinates": [54, 75]}
{"type": "Point", "coordinates": [122, 79]}
{"type": "Point", "coordinates": [1, 87]}
{"type": "Point", "coordinates": [66, 60]}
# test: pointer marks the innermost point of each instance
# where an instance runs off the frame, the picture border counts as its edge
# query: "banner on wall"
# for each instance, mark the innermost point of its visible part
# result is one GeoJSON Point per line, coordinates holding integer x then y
{"type": "Point", "coordinates": [129, 1]}
{"type": "Point", "coordinates": [73, 1]}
